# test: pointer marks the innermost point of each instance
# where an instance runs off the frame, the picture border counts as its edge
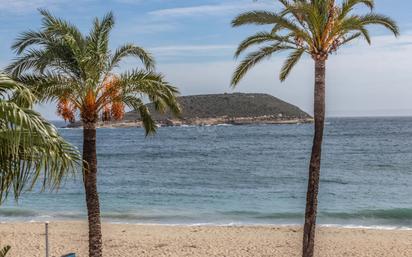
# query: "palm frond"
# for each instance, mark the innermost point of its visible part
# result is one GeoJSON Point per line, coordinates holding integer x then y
{"type": "Point", "coordinates": [253, 58]}
{"type": "Point", "coordinates": [292, 60]}
{"type": "Point", "coordinates": [378, 19]}
{"type": "Point", "coordinates": [365, 33]}
{"type": "Point", "coordinates": [28, 38]}
{"type": "Point", "coordinates": [138, 106]}
{"type": "Point", "coordinates": [351, 37]}
{"type": "Point", "coordinates": [62, 29]}
{"type": "Point", "coordinates": [152, 85]}
{"type": "Point", "coordinates": [256, 39]}
{"type": "Point", "coordinates": [131, 50]}
{"type": "Point", "coordinates": [98, 40]}
{"type": "Point", "coordinates": [49, 86]}
{"type": "Point", "coordinates": [31, 147]}
{"type": "Point", "coordinates": [269, 18]}
{"type": "Point", "coordinates": [348, 6]}
{"type": "Point", "coordinates": [260, 18]}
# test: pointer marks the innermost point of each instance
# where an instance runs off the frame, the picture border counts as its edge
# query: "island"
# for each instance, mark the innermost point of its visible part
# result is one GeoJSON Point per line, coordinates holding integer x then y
{"type": "Point", "coordinates": [215, 109]}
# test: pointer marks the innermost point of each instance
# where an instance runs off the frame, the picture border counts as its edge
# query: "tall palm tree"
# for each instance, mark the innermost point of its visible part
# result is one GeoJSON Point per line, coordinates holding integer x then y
{"type": "Point", "coordinates": [30, 148]}
{"type": "Point", "coordinates": [79, 72]}
{"type": "Point", "coordinates": [318, 28]}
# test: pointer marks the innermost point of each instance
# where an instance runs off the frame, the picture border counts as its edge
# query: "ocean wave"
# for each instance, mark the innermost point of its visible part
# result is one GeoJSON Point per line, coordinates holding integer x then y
{"type": "Point", "coordinates": [143, 217]}
{"type": "Point", "coordinates": [263, 215]}
{"type": "Point", "coordinates": [388, 218]}
{"type": "Point", "coordinates": [374, 227]}
{"type": "Point", "coordinates": [14, 212]}
{"type": "Point", "coordinates": [334, 181]}
{"type": "Point", "coordinates": [391, 214]}
{"type": "Point", "coordinates": [224, 125]}
{"type": "Point", "coordinates": [382, 214]}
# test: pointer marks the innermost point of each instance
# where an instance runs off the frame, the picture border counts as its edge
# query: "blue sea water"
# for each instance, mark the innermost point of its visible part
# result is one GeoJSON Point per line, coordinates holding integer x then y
{"type": "Point", "coordinates": [240, 175]}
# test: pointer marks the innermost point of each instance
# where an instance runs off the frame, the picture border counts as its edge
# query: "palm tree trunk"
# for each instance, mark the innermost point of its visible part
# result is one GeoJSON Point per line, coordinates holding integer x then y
{"type": "Point", "coordinates": [90, 186]}
{"type": "Point", "coordinates": [314, 167]}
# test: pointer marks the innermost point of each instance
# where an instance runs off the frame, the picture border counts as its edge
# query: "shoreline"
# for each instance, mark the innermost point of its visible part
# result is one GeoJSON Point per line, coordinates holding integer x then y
{"type": "Point", "coordinates": [238, 121]}
{"type": "Point", "coordinates": [202, 241]}
{"type": "Point", "coordinates": [223, 225]}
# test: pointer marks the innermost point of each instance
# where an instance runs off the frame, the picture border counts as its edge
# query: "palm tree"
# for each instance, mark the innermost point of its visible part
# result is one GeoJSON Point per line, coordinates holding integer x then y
{"type": "Point", "coordinates": [318, 28]}
{"type": "Point", "coordinates": [79, 72]}
{"type": "Point", "coordinates": [30, 149]}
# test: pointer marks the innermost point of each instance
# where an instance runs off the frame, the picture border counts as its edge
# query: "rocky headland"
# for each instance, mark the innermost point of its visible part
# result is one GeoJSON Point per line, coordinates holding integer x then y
{"type": "Point", "coordinates": [215, 109]}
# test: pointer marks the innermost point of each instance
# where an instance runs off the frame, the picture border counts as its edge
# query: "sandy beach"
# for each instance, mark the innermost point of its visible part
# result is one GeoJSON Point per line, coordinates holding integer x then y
{"type": "Point", "coordinates": [27, 239]}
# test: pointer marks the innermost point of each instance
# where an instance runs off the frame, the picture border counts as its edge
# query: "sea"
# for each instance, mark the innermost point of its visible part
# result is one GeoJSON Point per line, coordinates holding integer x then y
{"type": "Point", "coordinates": [239, 175]}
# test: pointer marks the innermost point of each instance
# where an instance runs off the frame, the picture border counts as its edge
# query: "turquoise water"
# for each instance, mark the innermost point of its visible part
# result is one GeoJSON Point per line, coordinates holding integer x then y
{"type": "Point", "coordinates": [241, 175]}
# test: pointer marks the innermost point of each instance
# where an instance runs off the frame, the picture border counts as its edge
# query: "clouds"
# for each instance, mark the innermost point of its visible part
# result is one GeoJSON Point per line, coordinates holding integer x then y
{"type": "Point", "coordinates": [146, 27]}
{"type": "Point", "coordinates": [188, 15]}
{"type": "Point", "coordinates": [203, 10]}
{"type": "Point", "coordinates": [24, 6]}
{"type": "Point", "coordinates": [224, 8]}
{"type": "Point", "coordinates": [194, 10]}
{"type": "Point", "coordinates": [178, 50]}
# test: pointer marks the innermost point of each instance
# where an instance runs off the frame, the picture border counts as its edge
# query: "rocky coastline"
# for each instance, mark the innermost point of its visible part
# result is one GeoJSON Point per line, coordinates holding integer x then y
{"type": "Point", "coordinates": [262, 120]}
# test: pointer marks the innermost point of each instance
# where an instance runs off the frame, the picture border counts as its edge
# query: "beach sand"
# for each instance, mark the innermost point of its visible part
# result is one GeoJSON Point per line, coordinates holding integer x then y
{"type": "Point", "coordinates": [27, 240]}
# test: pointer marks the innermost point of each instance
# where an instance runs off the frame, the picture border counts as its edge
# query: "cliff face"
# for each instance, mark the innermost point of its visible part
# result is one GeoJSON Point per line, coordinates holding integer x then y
{"type": "Point", "coordinates": [237, 108]}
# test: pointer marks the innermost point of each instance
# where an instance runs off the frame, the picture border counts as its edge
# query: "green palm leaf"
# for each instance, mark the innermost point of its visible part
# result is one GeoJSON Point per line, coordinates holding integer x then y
{"type": "Point", "coordinates": [256, 39]}
{"type": "Point", "coordinates": [292, 60]}
{"type": "Point", "coordinates": [253, 58]}
{"type": "Point", "coordinates": [134, 51]}
{"type": "Point", "coordinates": [377, 19]}
{"type": "Point", "coordinates": [31, 147]}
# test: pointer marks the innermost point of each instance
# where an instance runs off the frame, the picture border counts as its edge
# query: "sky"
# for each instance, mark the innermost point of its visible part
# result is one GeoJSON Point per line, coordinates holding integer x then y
{"type": "Point", "coordinates": [193, 44]}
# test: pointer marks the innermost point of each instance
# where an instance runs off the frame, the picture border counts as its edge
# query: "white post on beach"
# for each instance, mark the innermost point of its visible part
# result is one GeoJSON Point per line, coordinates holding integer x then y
{"type": "Point", "coordinates": [47, 238]}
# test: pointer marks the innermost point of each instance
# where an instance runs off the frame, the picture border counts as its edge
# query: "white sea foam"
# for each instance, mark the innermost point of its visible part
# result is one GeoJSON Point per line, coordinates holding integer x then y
{"type": "Point", "coordinates": [373, 227]}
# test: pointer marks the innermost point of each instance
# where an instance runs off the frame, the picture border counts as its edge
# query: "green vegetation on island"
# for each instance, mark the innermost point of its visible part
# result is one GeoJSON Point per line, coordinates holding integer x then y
{"type": "Point", "coordinates": [236, 108]}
